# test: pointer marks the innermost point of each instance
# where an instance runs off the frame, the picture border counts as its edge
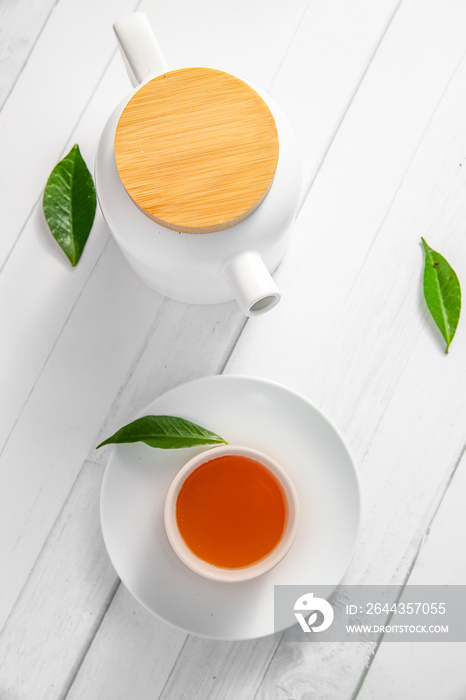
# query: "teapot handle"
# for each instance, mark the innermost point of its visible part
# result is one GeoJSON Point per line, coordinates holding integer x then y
{"type": "Point", "coordinates": [141, 53]}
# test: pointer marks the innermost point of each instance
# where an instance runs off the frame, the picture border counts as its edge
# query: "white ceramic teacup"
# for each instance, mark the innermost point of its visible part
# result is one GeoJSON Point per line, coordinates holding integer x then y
{"type": "Point", "coordinates": [271, 479]}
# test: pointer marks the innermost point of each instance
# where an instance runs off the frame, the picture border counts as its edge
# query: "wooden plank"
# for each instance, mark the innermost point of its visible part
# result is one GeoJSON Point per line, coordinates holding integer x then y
{"type": "Point", "coordinates": [228, 670]}
{"type": "Point", "coordinates": [248, 39]}
{"type": "Point", "coordinates": [21, 23]}
{"type": "Point", "coordinates": [429, 670]}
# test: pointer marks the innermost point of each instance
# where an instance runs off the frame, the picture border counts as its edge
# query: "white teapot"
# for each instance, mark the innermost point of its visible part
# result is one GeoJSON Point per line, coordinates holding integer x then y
{"type": "Point", "coordinates": [198, 177]}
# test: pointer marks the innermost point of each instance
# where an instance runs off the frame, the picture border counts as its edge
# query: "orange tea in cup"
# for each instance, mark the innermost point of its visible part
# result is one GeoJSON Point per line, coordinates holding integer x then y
{"type": "Point", "coordinates": [231, 511]}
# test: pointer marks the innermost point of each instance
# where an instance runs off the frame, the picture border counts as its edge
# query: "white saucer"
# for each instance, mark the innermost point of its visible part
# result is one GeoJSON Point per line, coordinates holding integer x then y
{"type": "Point", "coordinates": [256, 413]}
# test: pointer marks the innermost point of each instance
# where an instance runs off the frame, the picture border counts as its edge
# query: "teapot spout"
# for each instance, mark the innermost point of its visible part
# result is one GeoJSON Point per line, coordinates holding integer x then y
{"type": "Point", "coordinates": [251, 283]}
{"type": "Point", "coordinates": [141, 53]}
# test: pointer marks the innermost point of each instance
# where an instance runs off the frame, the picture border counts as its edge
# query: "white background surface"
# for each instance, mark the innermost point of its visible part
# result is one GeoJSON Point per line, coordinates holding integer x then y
{"type": "Point", "coordinates": [376, 93]}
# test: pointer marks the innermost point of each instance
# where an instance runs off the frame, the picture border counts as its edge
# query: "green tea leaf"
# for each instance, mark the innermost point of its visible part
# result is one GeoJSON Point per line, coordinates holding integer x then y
{"type": "Point", "coordinates": [167, 432]}
{"type": "Point", "coordinates": [442, 293]}
{"type": "Point", "coordinates": [69, 204]}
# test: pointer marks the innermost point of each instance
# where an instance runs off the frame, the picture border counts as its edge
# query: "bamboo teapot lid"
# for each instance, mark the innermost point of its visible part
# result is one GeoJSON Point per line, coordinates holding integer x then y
{"type": "Point", "coordinates": [196, 149]}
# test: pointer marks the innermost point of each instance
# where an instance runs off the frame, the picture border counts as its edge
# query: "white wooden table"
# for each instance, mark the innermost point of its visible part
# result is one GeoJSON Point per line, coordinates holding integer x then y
{"type": "Point", "coordinates": [376, 92]}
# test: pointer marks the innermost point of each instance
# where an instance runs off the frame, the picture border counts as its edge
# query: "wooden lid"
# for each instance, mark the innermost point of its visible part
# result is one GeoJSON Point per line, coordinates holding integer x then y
{"type": "Point", "coordinates": [196, 149]}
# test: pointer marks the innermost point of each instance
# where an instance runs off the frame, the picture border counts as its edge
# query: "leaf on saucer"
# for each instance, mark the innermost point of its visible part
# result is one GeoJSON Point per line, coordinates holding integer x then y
{"type": "Point", "coordinates": [69, 204]}
{"type": "Point", "coordinates": [166, 432]}
{"type": "Point", "coordinates": [442, 293]}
